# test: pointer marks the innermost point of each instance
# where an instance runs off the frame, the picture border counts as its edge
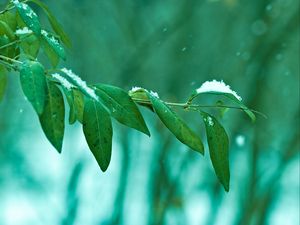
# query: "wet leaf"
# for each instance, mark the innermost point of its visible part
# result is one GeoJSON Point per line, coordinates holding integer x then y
{"type": "Point", "coordinates": [54, 44]}
{"type": "Point", "coordinates": [218, 144]}
{"type": "Point", "coordinates": [176, 125]}
{"type": "Point", "coordinates": [98, 131]}
{"type": "Point", "coordinates": [54, 23]}
{"type": "Point", "coordinates": [34, 84]}
{"type": "Point", "coordinates": [52, 119]}
{"type": "Point", "coordinates": [121, 107]}
{"type": "Point", "coordinates": [29, 17]}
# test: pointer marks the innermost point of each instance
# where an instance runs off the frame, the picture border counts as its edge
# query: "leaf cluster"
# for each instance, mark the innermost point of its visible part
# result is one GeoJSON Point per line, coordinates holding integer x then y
{"type": "Point", "coordinates": [21, 40]}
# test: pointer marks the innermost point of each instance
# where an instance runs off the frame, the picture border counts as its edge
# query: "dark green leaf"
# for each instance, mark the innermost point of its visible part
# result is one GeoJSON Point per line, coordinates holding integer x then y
{"type": "Point", "coordinates": [98, 131]}
{"type": "Point", "coordinates": [54, 23]}
{"type": "Point", "coordinates": [54, 44]}
{"type": "Point", "coordinates": [176, 125]}
{"type": "Point", "coordinates": [122, 107]}
{"type": "Point", "coordinates": [218, 144]}
{"type": "Point", "coordinates": [34, 84]}
{"type": "Point", "coordinates": [70, 99]}
{"type": "Point", "coordinates": [29, 17]}
{"type": "Point", "coordinates": [3, 81]}
{"type": "Point", "coordinates": [78, 104]}
{"type": "Point", "coordinates": [52, 119]}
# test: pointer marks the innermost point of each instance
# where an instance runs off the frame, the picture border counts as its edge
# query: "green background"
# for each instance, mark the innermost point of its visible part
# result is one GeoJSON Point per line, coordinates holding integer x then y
{"type": "Point", "coordinates": [170, 47]}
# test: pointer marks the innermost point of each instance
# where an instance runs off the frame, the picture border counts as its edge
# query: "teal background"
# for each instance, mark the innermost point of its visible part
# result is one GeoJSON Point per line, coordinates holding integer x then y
{"type": "Point", "coordinates": [170, 47]}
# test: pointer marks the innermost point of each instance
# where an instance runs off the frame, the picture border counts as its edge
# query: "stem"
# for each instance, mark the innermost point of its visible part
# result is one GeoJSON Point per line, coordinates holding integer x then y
{"type": "Point", "coordinates": [11, 7]}
{"type": "Point", "coordinates": [14, 42]}
{"type": "Point", "coordinates": [10, 59]}
{"type": "Point", "coordinates": [195, 107]}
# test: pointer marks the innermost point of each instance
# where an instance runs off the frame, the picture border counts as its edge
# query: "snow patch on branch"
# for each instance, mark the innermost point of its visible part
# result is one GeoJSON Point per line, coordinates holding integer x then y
{"type": "Point", "coordinates": [24, 30]}
{"type": "Point", "coordinates": [217, 86]}
{"type": "Point", "coordinates": [80, 83]}
{"type": "Point", "coordinates": [64, 82]}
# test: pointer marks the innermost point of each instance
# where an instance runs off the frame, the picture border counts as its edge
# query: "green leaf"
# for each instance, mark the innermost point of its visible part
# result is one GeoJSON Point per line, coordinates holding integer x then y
{"type": "Point", "coordinates": [34, 84]}
{"type": "Point", "coordinates": [229, 96]}
{"type": "Point", "coordinates": [218, 144]}
{"type": "Point", "coordinates": [52, 119]}
{"type": "Point", "coordinates": [10, 19]}
{"type": "Point", "coordinates": [70, 99]}
{"type": "Point", "coordinates": [6, 30]}
{"type": "Point", "coordinates": [30, 46]}
{"type": "Point", "coordinates": [51, 54]}
{"type": "Point", "coordinates": [245, 108]}
{"type": "Point", "coordinates": [29, 17]}
{"type": "Point", "coordinates": [176, 125]}
{"type": "Point", "coordinates": [121, 107]}
{"type": "Point", "coordinates": [98, 131]}
{"type": "Point", "coordinates": [78, 105]}
{"type": "Point", "coordinates": [54, 44]}
{"type": "Point", "coordinates": [54, 23]}
{"type": "Point", "coordinates": [3, 81]}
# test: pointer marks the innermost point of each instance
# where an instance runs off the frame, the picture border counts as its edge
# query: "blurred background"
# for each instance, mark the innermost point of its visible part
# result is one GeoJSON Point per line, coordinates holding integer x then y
{"type": "Point", "coordinates": [171, 47]}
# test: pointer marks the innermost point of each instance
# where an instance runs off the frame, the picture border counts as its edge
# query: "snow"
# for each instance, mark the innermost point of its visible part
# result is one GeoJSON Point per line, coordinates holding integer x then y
{"type": "Point", "coordinates": [209, 120]}
{"type": "Point", "coordinates": [52, 39]}
{"type": "Point", "coordinates": [24, 30]}
{"type": "Point", "coordinates": [154, 94]}
{"type": "Point", "coordinates": [82, 84]}
{"type": "Point", "coordinates": [217, 86]}
{"type": "Point", "coordinates": [64, 82]}
{"type": "Point", "coordinates": [134, 89]}
{"type": "Point", "coordinates": [240, 140]}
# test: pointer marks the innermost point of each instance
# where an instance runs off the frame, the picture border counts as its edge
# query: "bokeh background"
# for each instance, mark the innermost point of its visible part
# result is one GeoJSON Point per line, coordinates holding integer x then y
{"type": "Point", "coordinates": [171, 47]}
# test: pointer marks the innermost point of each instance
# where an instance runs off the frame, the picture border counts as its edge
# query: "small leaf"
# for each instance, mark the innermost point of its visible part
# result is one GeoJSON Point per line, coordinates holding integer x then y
{"type": "Point", "coordinates": [30, 45]}
{"type": "Point", "coordinates": [3, 81]}
{"type": "Point", "coordinates": [218, 144]}
{"type": "Point", "coordinates": [70, 99]}
{"type": "Point", "coordinates": [52, 119]}
{"type": "Point", "coordinates": [9, 18]}
{"type": "Point", "coordinates": [98, 131]}
{"type": "Point", "coordinates": [54, 23]}
{"type": "Point", "coordinates": [6, 30]}
{"type": "Point", "coordinates": [54, 44]}
{"type": "Point", "coordinates": [140, 95]}
{"type": "Point", "coordinates": [78, 105]}
{"type": "Point", "coordinates": [34, 84]}
{"type": "Point", "coordinates": [245, 108]}
{"type": "Point", "coordinates": [176, 125]}
{"type": "Point", "coordinates": [51, 54]}
{"type": "Point", "coordinates": [122, 107]}
{"type": "Point", "coordinates": [29, 17]}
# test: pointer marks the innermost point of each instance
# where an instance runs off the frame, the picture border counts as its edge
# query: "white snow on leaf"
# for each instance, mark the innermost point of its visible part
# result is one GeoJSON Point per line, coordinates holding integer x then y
{"type": "Point", "coordinates": [217, 86]}
{"type": "Point", "coordinates": [50, 37]}
{"type": "Point", "coordinates": [134, 89]}
{"type": "Point", "coordinates": [153, 93]}
{"type": "Point", "coordinates": [24, 30]}
{"type": "Point", "coordinates": [80, 83]}
{"type": "Point", "coordinates": [64, 82]}
{"type": "Point", "coordinates": [209, 120]}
